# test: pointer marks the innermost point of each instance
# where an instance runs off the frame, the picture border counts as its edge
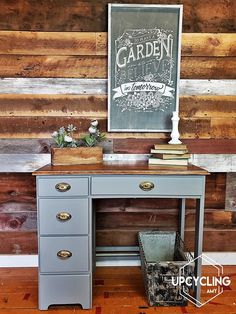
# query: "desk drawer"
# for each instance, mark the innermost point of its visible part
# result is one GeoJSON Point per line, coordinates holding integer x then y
{"type": "Point", "coordinates": [63, 216]}
{"type": "Point", "coordinates": [63, 186]}
{"type": "Point", "coordinates": [55, 254]}
{"type": "Point", "coordinates": [147, 185]}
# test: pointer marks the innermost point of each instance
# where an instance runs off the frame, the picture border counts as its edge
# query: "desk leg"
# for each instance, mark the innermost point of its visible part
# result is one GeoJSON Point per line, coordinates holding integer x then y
{"type": "Point", "coordinates": [182, 218]}
{"type": "Point", "coordinates": [198, 245]}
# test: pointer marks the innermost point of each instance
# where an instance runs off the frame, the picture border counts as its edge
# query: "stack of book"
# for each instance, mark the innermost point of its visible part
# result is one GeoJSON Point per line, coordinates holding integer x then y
{"type": "Point", "coordinates": [169, 154]}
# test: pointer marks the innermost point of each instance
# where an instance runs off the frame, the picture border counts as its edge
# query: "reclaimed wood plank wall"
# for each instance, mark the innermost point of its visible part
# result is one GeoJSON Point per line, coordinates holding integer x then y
{"type": "Point", "coordinates": [49, 50]}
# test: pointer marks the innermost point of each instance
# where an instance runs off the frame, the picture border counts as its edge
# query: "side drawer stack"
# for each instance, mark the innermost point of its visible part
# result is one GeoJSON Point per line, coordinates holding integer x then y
{"type": "Point", "coordinates": [65, 250]}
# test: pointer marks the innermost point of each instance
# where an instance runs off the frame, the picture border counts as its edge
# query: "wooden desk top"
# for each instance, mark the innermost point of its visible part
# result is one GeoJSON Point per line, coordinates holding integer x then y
{"type": "Point", "coordinates": [114, 167]}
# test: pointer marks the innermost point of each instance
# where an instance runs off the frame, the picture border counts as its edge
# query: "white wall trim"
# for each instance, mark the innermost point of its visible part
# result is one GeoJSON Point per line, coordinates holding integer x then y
{"type": "Point", "coordinates": [222, 258]}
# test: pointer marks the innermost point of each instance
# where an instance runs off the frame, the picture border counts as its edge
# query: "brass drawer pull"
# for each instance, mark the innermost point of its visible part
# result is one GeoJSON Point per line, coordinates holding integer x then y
{"type": "Point", "coordinates": [146, 186]}
{"type": "Point", "coordinates": [62, 187]}
{"type": "Point", "coordinates": [63, 216]}
{"type": "Point", "coordinates": [64, 254]}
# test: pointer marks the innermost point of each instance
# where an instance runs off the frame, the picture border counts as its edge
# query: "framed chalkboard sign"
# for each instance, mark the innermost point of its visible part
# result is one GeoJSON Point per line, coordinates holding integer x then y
{"type": "Point", "coordinates": [143, 66]}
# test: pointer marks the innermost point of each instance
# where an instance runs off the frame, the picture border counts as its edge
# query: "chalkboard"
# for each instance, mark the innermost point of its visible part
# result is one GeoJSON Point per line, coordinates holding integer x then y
{"type": "Point", "coordinates": [143, 66]}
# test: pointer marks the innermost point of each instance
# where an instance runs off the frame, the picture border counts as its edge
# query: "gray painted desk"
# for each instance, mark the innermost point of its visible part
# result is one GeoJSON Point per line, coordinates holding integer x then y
{"type": "Point", "coordinates": [65, 218]}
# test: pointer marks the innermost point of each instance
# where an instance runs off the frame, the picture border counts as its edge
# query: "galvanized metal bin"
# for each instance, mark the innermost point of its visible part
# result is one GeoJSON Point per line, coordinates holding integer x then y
{"type": "Point", "coordinates": [162, 255]}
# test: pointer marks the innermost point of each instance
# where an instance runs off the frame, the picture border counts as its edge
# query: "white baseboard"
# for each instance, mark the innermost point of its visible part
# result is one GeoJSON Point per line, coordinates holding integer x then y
{"type": "Point", "coordinates": [222, 258]}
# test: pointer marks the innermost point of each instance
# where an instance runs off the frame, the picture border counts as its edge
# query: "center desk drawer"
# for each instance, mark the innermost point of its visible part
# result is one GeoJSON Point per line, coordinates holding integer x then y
{"type": "Point", "coordinates": [147, 185]}
{"type": "Point", "coordinates": [63, 186]}
{"type": "Point", "coordinates": [64, 254]}
{"type": "Point", "coordinates": [63, 216]}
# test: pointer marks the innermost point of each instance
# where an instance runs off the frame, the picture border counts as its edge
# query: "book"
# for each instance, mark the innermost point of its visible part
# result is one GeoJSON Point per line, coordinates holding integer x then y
{"type": "Point", "coordinates": [171, 146]}
{"type": "Point", "coordinates": [172, 162]}
{"type": "Point", "coordinates": [168, 151]}
{"type": "Point", "coordinates": [171, 156]}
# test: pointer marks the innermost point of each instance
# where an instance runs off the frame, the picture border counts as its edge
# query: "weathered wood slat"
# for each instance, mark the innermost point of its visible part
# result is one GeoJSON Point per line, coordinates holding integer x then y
{"type": "Point", "coordinates": [27, 221]}
{"type": "Point", "coordinates": [25, 146]}
{"type": "Point", "coordinates": [217, 240]}
{"type": "Point", "coordinates": [96, 67]}
{"type": "Point", "coordinates": [211, 162]}
{"type": "Point", "coordinates": [15, 242]}
{"type": "Point", "coordinates": [53, 66]}
{"type": "Point", "coordinates": [195, 146]}
{"type": "Point", "coordinates": [230, 199]}
{"type": "Point", "coordinates": [207, 106]}
{"type": "Point", "coordinates": [96, 106]}
{"type": "Point", "coordinates": [79, 15]}
{"type": "Point", "coordinates": [89, 44]}
{"type": "Point", "coordinates": [99, 86]}
{"type": "Point", "coordinates": [223, 128]}
{"type": "Point", "coordinates": [48, 43]}
{"type": "Point", "coordinates": [53, 105]}
{"type": "Point", "coordinates": [206, 44]}
{"type": "Point", "coordinates": [195, 128]}
{"type": "Point", "coordinates": [36, 127]}
{"type": "Point", "coordinates": [42, 127]}
{"type": "Point", "coordinates": [25, 242]}
{"type": "Point", "coordinates": [208, 68]}
{"type": "Point", "coordinates": [27, 163]}
{"type": "Point", "coordinates": [17, 188]}
{"type": "Point", "coordinates": [157, 219]}
{"type": "Point", "coordinates": [23, 221]}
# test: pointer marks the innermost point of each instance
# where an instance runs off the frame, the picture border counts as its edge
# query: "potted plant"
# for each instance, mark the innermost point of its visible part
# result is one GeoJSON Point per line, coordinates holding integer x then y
{"type": "Point", "coordinates": [69, 151]}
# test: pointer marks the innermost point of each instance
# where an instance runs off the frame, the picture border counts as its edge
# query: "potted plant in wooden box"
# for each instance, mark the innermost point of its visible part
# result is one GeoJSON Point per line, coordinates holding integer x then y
{"type": "Point", "coordinates": [69, 151]}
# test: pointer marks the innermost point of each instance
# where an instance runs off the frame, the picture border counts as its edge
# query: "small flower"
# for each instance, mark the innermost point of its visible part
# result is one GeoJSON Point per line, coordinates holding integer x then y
{"type": "Point", "coordinates": [71, 128]}
{"type": "Point", "coordinates": [92, 130]}
{"type": "Point", "coordinates": [61, 130]}
{"type": "Point", "coordinates": [68, 139]}
{"type": "Point", "coordinates": [94, 123]}
{"type": "Point", "coordinates": [54, 134]}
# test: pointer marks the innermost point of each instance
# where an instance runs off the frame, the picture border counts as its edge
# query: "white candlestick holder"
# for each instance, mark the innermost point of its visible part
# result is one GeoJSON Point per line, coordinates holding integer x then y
{"type": "Point", "coordinates": [175, 133]}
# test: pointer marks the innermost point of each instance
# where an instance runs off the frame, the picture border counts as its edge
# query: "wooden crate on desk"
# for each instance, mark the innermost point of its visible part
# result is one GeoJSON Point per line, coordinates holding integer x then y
{"type": "Point", "coordinates": [76, 156]}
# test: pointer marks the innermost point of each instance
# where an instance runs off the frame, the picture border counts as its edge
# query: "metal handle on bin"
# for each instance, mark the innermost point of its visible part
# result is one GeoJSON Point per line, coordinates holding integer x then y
{"type": "Point", "coordinates": [62, 187]}
{"type": "Point", "coordinates": [146, 186]}
{"type": "Point", "coordinates": [63, 216]}
{"type": "Point", "coordinates": [64, 254]}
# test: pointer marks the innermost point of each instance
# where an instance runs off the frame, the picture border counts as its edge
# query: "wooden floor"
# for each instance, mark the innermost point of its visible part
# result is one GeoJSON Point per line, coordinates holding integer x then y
{"type": "Point", "coordinates": [116, 291]}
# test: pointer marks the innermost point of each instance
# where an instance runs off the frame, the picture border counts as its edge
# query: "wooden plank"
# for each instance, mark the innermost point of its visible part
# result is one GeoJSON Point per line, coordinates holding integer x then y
{"type": "Point", "coordinates": [96, 67]}
{"type": "Point", "coordinates": [53, 66]}
{"type": "Point", "coordinates": [42, 127]}
{"type": "Point", "coordinates": [194, 128]}
{"type": "Point", "coordinates": [25, 146]}
{"type": "Point", "coordinates": [21, 221]}
{"type": "Point", "coordinates": [48, 43]}
{"type": "Point", "coordinates": [15, 242]}
{"type": "Point", "coordinates": [28, 163]}
{"type": "Point", "coordinates": [208, 68]}
{"type": "Point", "coordinates": [19, 188]}
{"type": "Point", "coordinates": [99, 86]}
{"type": "Point", "coordinates": [91, 43]}
{"type": "Point", "coordinates": [78, 15]}
{"type": "Point", "coordinates": [23, 163]}
{"type": "Point", "coordinates": [207, 44]}
{"type": "Point", "coordinates": [230, 199]}
{"type": "Point", "coordinates": [223, 127]}
{"type": "Point", "coordinates": [53, 105]}
{"type": "Point", "coordinates": [167, 218]}
{"type": "Point", "coordinates": [195, 146]}
{"type": "Point", "coordinates": [37, 146]}
{"type": "Point", "coordinates": [207, 106]}
{"type": "Point", "coordinates": [211, 162]}
{"type": "Point", "coordinates": [96, 106]}
{"type": "Point", "coordinates": [218, 240]}
{"type": "Point", "coordinates": [35, 127]}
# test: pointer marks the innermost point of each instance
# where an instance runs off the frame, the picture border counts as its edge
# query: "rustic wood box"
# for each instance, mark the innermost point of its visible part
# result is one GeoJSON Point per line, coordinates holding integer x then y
{"type": "Point", "coordinates": [76, 156]}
